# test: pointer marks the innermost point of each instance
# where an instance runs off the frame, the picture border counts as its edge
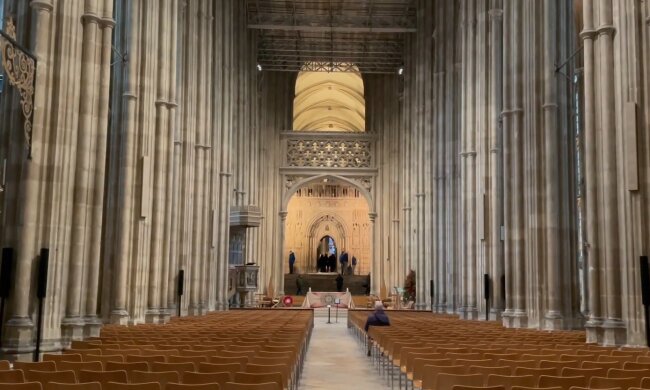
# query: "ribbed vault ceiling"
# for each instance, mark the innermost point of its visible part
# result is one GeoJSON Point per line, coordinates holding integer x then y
{"type": "Point", "coordinates": [326, 34]}
{"type": "Point", "coordinates": [331, 101]}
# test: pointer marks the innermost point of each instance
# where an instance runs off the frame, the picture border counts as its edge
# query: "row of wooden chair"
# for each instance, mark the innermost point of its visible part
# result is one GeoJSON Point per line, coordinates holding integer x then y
{"type": "Point", "coordinates": [270, 356]}
{"type": "Point", "coordinates": [438, 351]}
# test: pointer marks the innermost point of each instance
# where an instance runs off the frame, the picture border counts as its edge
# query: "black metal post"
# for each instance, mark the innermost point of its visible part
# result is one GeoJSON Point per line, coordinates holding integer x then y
{"type": "Point", "coordinates": [647, 324]}
{"type": "Point", "coordinates": [2, 316]}
{"type": "Point", "coordinates": [39, 329]}
{"type": "Point", "coordinates": [329, 310]}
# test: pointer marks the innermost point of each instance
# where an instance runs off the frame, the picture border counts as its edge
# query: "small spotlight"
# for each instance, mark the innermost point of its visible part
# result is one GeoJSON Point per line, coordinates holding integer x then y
{"type": "Point", "coordinates": [400, 71]}
{"type": "Point", "coordinates": [259, 67]}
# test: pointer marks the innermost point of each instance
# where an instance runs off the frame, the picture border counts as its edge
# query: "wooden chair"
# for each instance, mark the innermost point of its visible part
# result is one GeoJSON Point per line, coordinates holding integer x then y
{"type": "Point", "coordinates": [636, 366]}
{"type": "Point", "coordinates": [241, 360]}
{"type": "Point", "coordinates": [103, 377]}
{"type": "Point", "coordinates": [103, 359]}
{"type": "Point", "coordinates": [162, 377]}
{"type": "Point", "coordinates": [284, 370]}
{"type": "Point", "coordinates": [176, 367]}
{"type": "Point", "coordinates": [535, 388]}
{"type": "Point", "coordinates": [461, 387]}
{"type": "Point", "coordinates": [485, 370]}
{"type": "Point", "coordinates": [185, 386]}
{"type": "Point", "coordinates": [430, 376]}
{"type": "Point", "coordinates": [419, 365]}
{"type": "Point", "coordinates": [128, 367]}
{"type": "Point", "coordinates": [12, 376]}
{"type": "Point", "coordinates": [51, 376]}
{"type": "Point", "coordinates": [131, 386]}
{"type": "Point", "coordinates": [586, 372]}
{"type": "Point", "coordinates": [508, 381]}
{"type": "Point", "coordinates": [21, 386]}
{"type": "Point", "coordinates": [645, 383]}
{"type": "Point", "coordinates": [188, 359]}
{"type": "Point", "coordinates": [150, 360]}
{"type": "Point", "coordinates": [214, 367]}
{"type": "Point", "coordinates": [243, 386]}
{"type": "Point", "coordinates": [589, 388]}
{"type": "Point", "coordinates": [536, 372]}
{"type": "Point", "coordinates": [604, 365]}
{"type": "Point", "coordinates": [199, 378]}
{"type": "Point", "coordinates": [561, 381]}
{"type": "Point", "coordinates": [82, 352]}
{"type": "Point", "coordinates": [622, 373]}
{"type": "Point", "coordinates": [35, 366]}
{"type": "Point", "coordinates": [73, 386]}
{"type": "Point", "coordinates": [78, 366]}
{"type": "Point", "coordinates": [251, 378]}
{"type": "Point", "coordinates": [447, 381]}
{"type": "Point", "coordinates": [66, 357]}
{"type": "Point", "coordinates": [598, 382]}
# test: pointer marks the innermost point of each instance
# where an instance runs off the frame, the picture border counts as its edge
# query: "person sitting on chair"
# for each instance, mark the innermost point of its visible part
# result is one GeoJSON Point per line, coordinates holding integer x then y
{"type": "Point", "coordinates": [377, 318]}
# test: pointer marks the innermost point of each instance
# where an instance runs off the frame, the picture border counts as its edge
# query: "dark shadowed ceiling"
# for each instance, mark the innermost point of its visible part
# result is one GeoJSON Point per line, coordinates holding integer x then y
{"type": "Point", "coordinates": [323, 35]}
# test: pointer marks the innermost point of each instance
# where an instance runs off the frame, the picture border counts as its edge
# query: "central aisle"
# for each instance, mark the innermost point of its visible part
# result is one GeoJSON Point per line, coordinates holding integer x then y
{"type": "Point", "coordinates": [335, 361]}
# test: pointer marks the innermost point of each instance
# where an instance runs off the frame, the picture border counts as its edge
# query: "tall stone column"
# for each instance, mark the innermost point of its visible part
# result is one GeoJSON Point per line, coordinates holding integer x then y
{"type": "Point", "coordinates": [553, 316]}
{"type": "Point", "coordinates": [613, 326]}
{"type": "Point", "coordinates": [92, 321]}
{"type": "Point", "coordinates": [19, 328]}
{"type": "Point", "coordinates": [495, 143]}
{"type": "Point", "coordinates": [588, 34]}
{"type": "Point", "coordinates": [73, 322]}
{"type": "Point", "coordinates": [119, 314]}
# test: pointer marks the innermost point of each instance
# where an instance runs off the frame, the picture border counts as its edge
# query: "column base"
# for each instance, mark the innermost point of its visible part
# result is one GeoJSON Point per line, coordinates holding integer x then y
{"type": "Point", "coordinates": [440, 308]}
{"type": "Point", "coordinates": [421, 306]}
{"type": "Point", "coordinates": [92, 326]}
{"type": "Point", "coordinates": [72, 329]}
{"type": "Point", "coordinates": [221, 306]}
{"type": "Point", "coordinates": [154, 316]}
{"type": "Point", "coordinates": [194, 310]}
{"type": "Point", "coordinates": [553, 320]}
{"type": "Point", "coordinates": [18, 341]}
{"type": "Point", "coordinates": [594, 331]}
{"type": "Point", "coordinates": [506, 318]}
{"type": "Point", "coordinates": [166, 315]}
{"type": "Point", "coordinates": [519, 319]}
{"type": "Point", "coordinates": [495, 314]}
{"type": "Point", "coordinates": [119, 317]}
{"type": "Point", "coordinates": [470, 313]}
{"type": "Point", "coordinates": [614, 333]}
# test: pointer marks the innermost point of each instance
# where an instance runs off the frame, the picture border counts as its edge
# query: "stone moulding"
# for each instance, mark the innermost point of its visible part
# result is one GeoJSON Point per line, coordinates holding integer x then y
{"type": "Point", "coordinates": [20, 66]}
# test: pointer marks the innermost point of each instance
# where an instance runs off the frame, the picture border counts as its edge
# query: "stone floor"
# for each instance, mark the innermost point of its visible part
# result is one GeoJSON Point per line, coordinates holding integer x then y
{"type": "Point", "coordinates": [335, 361]}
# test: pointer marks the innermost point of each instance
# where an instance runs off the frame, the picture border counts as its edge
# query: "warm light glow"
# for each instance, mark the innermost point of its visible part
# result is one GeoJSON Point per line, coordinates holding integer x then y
{"type": "Point", "coordinates": [329, 101]}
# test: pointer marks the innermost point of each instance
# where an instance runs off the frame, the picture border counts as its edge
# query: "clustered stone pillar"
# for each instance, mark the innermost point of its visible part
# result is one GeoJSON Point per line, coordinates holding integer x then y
{"type": "Point", "coordinates": [494, 203]}
{"type": "Point", "coordinates": [616, 166]}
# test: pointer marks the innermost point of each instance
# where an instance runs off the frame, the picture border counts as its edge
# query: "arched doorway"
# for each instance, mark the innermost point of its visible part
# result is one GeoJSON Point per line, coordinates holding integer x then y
{"type": "Point", "coordinates": [325, 253]}
{"type": "Point", "coordinates": [331, 208]}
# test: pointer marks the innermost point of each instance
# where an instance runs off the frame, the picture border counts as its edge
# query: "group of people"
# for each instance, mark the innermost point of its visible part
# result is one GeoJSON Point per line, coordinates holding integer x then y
{"type": "Point", "coordinates": [327, 263]}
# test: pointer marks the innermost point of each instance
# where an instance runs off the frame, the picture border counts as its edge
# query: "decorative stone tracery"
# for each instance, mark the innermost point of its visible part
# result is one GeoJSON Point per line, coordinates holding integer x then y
{"type": "Point", "coordinates": [20, 67]}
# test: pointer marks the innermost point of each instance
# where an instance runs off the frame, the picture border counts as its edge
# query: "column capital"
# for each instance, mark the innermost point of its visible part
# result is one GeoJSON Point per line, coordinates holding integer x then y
{"type": "Point", "coordinates": [42, 5]}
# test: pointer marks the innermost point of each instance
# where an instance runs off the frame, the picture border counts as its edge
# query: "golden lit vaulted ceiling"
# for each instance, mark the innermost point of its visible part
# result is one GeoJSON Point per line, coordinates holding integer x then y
{"type": "Point", "coordinates": [332, 101]}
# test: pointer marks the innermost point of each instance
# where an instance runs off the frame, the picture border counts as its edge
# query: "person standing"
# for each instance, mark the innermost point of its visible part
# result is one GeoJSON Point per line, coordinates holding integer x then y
{"type": "Point", "coordinates": [292, 261]}
{"type": "Point", "coordinates": [300, 284]}
{"type": "Point", "coordinates": [339, 283]}
{"type": "Point", "coordinates": [343, 260]}
{"type": "Point", "coordinates": [354, 264]}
